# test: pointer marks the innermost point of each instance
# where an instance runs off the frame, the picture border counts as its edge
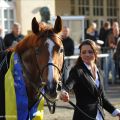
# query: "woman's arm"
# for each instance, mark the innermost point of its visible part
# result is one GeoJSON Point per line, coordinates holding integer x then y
{"type": "Point", "coordinates": [68, 85]}
{"type": "Point", "coordinates": [109, 107]}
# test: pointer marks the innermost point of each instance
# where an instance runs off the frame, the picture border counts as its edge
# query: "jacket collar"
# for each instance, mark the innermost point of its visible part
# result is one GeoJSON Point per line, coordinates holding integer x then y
{"type": "Point", "coordinates": [89, 76]}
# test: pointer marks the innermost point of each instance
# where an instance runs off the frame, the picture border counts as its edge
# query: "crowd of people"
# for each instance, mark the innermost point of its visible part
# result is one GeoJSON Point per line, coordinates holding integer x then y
{"type": "Point", "coordinates": [110, 35]}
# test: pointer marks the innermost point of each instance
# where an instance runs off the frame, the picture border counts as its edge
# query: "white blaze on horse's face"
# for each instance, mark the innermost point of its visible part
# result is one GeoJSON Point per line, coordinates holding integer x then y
{"type": "Point", "coordinates": [51, 44]}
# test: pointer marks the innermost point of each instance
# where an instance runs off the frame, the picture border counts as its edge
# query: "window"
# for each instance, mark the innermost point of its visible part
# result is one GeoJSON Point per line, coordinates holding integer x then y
{"type": "Point", "coordinates": [98, 7]}
{"type": "Point", "coordinates": [72, 7]}
{"type": "Point", "coordinates": [0, 17]}
{"type": "Point", "coordinates": [7, 15]}
{"type": "Point", "coordinates": [8, 0]}
{"type": "Point", "coordinates": [80, 7]}
{"type": "Point", "coordinates": [112, 8]}
{"type": "Point", "coordinates": [8, 19]}
{"type": "Point", "coordinates": [72, 10]}
{"type": "Point", "coordinates": [83, 7]}
{"type": "Point", "coordinates": [0, 14]}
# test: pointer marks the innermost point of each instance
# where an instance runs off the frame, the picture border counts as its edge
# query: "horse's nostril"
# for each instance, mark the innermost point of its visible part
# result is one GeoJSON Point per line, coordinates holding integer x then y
{"type": "Point", "coordinates": [51, 91]}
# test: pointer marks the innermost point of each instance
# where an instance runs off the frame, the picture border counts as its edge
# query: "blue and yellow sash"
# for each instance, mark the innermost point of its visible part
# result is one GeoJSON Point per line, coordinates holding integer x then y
{"type": "Point", "coordinates": [16, 99]}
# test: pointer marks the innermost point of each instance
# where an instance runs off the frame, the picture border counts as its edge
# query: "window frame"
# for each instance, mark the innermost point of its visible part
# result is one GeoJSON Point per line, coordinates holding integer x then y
{"type": "Point", "coordinates": [6, 20]}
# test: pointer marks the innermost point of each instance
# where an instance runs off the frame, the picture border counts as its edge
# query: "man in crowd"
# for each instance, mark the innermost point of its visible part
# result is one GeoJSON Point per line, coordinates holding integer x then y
{"type": "Point", "coordinates": [68, 43]}
{"type": "Point", "coordinates": [14, 37]}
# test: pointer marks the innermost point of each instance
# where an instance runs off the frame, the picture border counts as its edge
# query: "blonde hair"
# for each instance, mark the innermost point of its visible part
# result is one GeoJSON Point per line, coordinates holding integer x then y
{"type": "Point", "coordinates": [92, 27]}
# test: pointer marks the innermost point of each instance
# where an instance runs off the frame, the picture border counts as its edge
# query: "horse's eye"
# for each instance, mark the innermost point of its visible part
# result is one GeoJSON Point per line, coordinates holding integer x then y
{"type": "Point", "coordinates": [37, 50]}
{"type": "Point", "coordinates": [61, 50]}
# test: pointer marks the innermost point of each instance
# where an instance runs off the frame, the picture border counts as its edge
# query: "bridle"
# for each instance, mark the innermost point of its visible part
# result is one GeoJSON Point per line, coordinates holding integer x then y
{"type": "Point", "coordinates": [51, 104]}
{"type": "Point", "coordinates": [40, 89]}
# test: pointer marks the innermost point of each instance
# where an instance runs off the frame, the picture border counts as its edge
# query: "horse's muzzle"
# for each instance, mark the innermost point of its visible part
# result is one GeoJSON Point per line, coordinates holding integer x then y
{"type": "Point", "coordinates": [51, 90]}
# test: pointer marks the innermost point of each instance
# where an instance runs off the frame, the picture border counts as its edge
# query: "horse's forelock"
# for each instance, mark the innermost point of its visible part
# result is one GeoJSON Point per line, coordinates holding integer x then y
{"type": "Point", "coordinates": [42, 26]}
{"type": "Point", "coordinates": [47, 29]}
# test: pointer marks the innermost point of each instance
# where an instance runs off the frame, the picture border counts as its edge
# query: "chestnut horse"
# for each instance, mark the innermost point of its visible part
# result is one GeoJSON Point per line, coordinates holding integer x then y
{"type": "Point", "coordinates": [41, 57]}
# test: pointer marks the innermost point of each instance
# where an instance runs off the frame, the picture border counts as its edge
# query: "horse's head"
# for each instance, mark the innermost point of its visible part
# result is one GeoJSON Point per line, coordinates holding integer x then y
{"type": "Point", "coordinates": [42, 57]}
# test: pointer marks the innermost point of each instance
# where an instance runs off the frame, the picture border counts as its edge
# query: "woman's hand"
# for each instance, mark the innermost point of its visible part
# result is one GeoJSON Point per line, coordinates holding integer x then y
{"type": "Point", "coordinates": [64, 96]}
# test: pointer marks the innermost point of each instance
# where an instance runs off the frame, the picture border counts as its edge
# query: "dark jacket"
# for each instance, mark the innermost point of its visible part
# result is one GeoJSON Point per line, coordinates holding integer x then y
{"type": "Point", "coordinates": [111, 39]}
{"type": "Point", "coordinates": [1, 44]}
{"type": "Point", "coordinates": [10, 38]}
{"type": "Point", "coordinates": [89, 98]}
{"type": "Point", "coordinates": [68, 46]}
{"type": "Point", "coordinates": [94, 37]}
{"type": "Point", "coordinates": [3, 69]}
{"type": "Point", "coordinates": [103, 35]}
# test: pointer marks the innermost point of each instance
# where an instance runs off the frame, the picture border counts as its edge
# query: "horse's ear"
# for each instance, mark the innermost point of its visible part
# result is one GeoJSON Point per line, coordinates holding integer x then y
{"type": "Point", "coordinates": [58, 25]}
{"type": "Point", "coordinates": [35, 26]}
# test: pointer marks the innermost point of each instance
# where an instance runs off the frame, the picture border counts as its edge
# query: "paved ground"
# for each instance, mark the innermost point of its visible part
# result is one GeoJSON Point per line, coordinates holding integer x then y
{"type": "Point", "coordinates": [64, 111]}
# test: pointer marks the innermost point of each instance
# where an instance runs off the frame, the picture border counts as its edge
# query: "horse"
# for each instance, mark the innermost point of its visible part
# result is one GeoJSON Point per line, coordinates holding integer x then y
{"type": "Point", "coordinates": [39, 59]}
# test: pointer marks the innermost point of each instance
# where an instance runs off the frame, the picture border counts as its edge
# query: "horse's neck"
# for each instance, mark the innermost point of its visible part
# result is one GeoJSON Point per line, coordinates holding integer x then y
{"type": "Point", "coordinates": [31, 93]}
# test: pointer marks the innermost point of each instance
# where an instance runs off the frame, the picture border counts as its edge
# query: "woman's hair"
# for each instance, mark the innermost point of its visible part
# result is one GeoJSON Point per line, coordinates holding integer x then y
{"type": "Point", "coordinates": [93, 46]}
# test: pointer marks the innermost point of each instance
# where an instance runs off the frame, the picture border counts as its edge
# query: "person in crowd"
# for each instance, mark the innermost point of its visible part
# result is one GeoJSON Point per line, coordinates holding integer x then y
{"type": "Point", "coordinates": [67, 41]}
{"type": "Point", "coordinates": [68, 44]}
{"type": "Point", "coordinates": [103, 34]}
{"type": "Point", "coordinates": [85, 79]}
{"type": "Point", "coordinates": [104, 30]}
{"type": "Point", "coordinates": [1, 76]}
{"type": "Point", "coordinates": [1, 40]}
{"type": "Point", "coordinates": [112, 40]}
{"type": "Point", "coordinates": [3, 69]}
{"type": "Point", "coordinates": [14, 37]}
{"type": "Point", "coordinates": [91, 32]}
{"type": "Point", "coordinates": [113, 35]}
{"type": "Point", "coordinates": [116, 57]}
{"type": "Point", "coordinates": [9, 40]}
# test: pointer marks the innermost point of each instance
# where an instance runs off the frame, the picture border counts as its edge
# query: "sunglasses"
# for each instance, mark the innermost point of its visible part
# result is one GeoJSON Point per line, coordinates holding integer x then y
{"type": "Point", "coordinates": [91, 52]}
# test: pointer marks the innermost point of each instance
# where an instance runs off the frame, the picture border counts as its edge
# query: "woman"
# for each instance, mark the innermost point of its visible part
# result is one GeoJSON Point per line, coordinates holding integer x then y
{"type": "Point", "coordinates": [85, 79]}
{"type": "Point", "coordinates": [92, 33]}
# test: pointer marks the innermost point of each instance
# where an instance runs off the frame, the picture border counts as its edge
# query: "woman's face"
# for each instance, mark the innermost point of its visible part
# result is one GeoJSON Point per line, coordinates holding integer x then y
{"type": "Point", "coordinates": [87, 54]}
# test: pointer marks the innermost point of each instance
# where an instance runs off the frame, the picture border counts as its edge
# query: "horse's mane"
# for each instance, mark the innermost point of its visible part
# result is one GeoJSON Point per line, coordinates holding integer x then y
{"type": "Point", "coordinates": [31, 40]}
{"type": "Point", "coordinates": [28, 42]}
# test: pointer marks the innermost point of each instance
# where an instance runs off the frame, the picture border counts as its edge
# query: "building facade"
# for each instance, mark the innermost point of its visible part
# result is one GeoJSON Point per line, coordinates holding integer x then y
{"type": "Point", "coordinates": [23, 11]}
{"type": "Point", "coordinates": [93, 10]}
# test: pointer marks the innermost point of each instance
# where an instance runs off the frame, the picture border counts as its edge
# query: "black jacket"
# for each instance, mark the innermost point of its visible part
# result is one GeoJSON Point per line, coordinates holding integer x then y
{"type": "Point", "coordinates": [10, 38]}
{"type": "Point", "coordinates": [4, 57]}
{"type": "Point", "coordinates": [89, 98]}
{"type": "Point", "coordinates": [1, 44]}
{"type": "Point", "coordinates": [68, 44]}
